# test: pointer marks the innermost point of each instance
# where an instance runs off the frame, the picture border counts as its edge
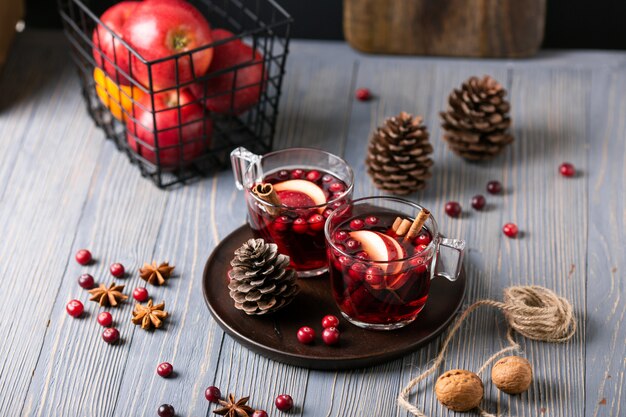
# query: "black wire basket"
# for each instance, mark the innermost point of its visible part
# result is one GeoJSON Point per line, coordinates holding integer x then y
{"type": "Point", "coordinates": [184, 128]}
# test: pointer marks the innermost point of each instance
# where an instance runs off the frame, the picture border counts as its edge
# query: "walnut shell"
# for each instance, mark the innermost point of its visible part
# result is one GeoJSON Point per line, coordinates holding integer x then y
{"type": "Point", "coordinates": [512, 374]}
{"type": "Point", "coordinates": [459, 390]}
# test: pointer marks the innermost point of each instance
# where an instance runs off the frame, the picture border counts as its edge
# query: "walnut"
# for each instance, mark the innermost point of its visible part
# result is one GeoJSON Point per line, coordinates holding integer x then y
{"type": "Point", "coordinates": [512, 374]}
{"type": "Point", "coordinates": [459, 390]}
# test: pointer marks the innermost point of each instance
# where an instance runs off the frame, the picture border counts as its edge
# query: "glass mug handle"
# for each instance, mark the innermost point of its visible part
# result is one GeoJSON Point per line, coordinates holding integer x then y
{"type": "Point", "coordinates": [241, 159]}
{"type": "Point", "coordinates": [449, 258]}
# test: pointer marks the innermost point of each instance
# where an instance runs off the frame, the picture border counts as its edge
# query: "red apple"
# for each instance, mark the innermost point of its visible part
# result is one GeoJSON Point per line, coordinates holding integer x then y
{"type": "Point", "coordinates": [192, 138]}
{"type": "Point", "coordinates": [161, 28]}
{"type": "Point", "coordinates": [247, 81]}
{"type": "Point", "coordinates": [108, 51]}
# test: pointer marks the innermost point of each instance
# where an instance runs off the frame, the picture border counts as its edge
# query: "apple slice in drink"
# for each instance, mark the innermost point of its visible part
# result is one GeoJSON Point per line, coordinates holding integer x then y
{"type": "Point", "coordinates": [300, 193]}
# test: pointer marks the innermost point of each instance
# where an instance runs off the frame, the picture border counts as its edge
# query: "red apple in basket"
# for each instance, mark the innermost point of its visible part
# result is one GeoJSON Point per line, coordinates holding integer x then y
{"type": "Point", "coordinates": [246, 81]}
{"type": "Point", "coordinates": [161, 28]}
{"type": "Point", "coordinates": [109, 51]}
{"type": "Point", "coordinates": [178, 143]}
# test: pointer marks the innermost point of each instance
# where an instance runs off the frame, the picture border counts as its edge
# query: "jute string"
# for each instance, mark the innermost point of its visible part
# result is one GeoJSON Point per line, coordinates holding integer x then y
{"type": "Point", "coordinates": [534, 312]}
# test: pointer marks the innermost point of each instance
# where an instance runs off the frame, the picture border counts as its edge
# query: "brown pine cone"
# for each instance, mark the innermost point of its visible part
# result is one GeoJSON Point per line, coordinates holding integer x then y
{"type": "Point", "coordinates": [477, 121]}
{"type": "Point", "coordinates": [398, 158]}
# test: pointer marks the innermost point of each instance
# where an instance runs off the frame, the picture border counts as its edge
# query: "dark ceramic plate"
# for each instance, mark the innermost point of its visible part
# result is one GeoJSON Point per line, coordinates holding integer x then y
{"type": "Point", "coordinates": [274, 335]}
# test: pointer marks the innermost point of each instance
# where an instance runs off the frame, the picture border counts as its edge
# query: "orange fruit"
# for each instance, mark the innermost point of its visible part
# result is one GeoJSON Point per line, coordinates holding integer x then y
{"type": "Point", "coordinates": [116, 98]}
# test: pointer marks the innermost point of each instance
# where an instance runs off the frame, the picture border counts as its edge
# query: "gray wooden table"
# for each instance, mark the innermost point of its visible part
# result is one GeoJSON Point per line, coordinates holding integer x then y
{"type": "Point", "coordinates": [63, 187]}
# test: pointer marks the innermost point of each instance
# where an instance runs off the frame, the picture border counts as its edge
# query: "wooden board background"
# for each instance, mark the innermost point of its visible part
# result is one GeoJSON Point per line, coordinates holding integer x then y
{"type": "Point", "coordinates": [63, 187]}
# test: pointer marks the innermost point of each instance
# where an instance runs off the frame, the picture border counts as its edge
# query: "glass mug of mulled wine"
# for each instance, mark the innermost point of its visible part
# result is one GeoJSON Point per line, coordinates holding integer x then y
{"type": "Point", "coordinates": [382, 254]}
{"type": "Point", "coordinates": [289, 194]}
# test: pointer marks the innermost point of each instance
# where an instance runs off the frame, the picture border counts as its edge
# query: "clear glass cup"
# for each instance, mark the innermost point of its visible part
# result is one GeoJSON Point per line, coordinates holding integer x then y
{"type": "Point", "coordinates": [310, 184]}
{"type": "Point", "coordinates": [379, 284]}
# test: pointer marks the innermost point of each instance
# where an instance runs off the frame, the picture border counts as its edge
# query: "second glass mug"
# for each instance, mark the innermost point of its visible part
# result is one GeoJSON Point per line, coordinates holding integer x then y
{"type": "Point", "coordinates": [309, 184]}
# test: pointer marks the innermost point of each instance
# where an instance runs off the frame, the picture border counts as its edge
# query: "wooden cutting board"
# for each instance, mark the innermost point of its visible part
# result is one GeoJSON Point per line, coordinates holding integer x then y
{"type": "Point", "coordinates": [472, 28]}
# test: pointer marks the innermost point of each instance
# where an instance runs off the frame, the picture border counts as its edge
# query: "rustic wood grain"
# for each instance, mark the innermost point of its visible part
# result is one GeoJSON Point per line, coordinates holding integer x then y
{"type": "Point", "coordinates": [63, 187]}
{"type": "Point", "coordinates": [476, 28]}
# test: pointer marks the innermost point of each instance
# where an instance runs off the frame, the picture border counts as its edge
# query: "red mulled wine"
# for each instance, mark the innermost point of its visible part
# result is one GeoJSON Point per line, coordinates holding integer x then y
{"type": "Point", "coordinates": [379, 279]}
{"type": "Point", "coordinates": [307, 197]}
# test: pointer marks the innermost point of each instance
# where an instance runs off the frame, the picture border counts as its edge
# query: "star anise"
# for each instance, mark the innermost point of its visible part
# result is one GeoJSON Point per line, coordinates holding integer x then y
{"type": "Point", "coordinates": [149, 315]}
{"type": "Point", "coordinates": [108, 296]}
{"type": "Point", "coordinates": [156, 275]}
{"type": "Point", "coordinates": [232, 408]}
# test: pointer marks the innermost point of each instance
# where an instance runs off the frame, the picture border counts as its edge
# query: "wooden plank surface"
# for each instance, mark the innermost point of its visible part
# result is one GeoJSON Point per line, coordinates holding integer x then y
{"type": "Point", "coordinates": [63, 187]}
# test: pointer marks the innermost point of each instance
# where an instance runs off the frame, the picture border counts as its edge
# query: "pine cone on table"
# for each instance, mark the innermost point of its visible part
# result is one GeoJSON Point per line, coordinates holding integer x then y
{"type": "Point", "coordinates": [261, 280]}
{"type": "Point", "coordinates": [398, 158]}
{"type": "Point", "coordinates": [477, 121]}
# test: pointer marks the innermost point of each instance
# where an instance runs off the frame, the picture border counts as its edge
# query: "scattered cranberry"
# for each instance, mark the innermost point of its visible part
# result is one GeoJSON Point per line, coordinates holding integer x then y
{"type": "Point", "coordinates": [567, 170]}
{"type": "Point", "coordinates": [85, 281]}
{"type": "Point", "coordinates": [105, 319]}
{"type": "Point", "coordinates": [316, 222]}
{"type": "Point", "coordinates": [306, 335]}
{"type": "Point", "coordinates": [330, 321]}
{"type": "Point", "coordinates": [83, 257]}
{"type": "Point", "coordinates": [213, 394]}
{"type": "Point", "coordinates": [300, 225]}
{"type": "Point", "coordinates": [284, 402]}
{"type": "Point", "coordinates": [297, 174]}
{"type": "Point", "coordinates": [111, 335]}
{"type": "Point", "coordinates": [363, 94]}
{"type": "Point", "coordinates": [371, 220]}
{"type": "Point", "coordinates": [423, 239]}
{"type": "Point", "coordinates": [313, 176]}
{"type": "Point", "coordinates": [374, 276]}
{"type": "Point", "coordinates": [330, 336]}
{"type": "Point", "coordinates": [117, 270]}
{"type": "Point", "coordinates": [357, 271]}
{"type": "Point", "coordinates": [510, 229]}
{"type": "Point", "coordinates": [259, 413]}
{"type": "Point", "coordinates": [453, 209]}
{"type": "Point", "coordinates": [165, 369]}
{"type": "Point", "coordinates": [494, 187]}
{"type": "Point", "coordinates": [478, 202]}
{"type": "Point", "coordinates": [74, 308]}
{"type": "Point", "coordinates": [140, 294]}
{"type": "Point", "coordinates": [281, 223]}
{"type": "Point", "coordinates": [357, 224]}
{"type": "Point", "coordinates": [353, 244]}
{"type": "Point", "coordinates": [341, 235]}
{"type": "Point", "coordinates": [337, 187]}
{"type": "Point", "coordinates": [166, 410]}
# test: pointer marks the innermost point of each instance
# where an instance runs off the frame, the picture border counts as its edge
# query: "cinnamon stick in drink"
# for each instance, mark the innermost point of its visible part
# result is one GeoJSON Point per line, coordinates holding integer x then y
{"type": "Point", "coordinates": [267, 193]}
{"type": "Point", "coordinates": [418, 223]}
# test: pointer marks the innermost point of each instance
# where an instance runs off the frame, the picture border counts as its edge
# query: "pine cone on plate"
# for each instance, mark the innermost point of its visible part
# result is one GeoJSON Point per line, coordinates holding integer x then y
{"type": "Point", "coordinates": [398, 157]}
{"type": "Point", "coordinates": [476, 124]}
{"type": "Point", "coordinates": [261, 280]}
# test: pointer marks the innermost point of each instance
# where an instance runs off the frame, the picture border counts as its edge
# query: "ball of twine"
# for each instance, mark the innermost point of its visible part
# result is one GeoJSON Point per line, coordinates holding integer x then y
{"type": "Point", "coordinates": [535, 312]}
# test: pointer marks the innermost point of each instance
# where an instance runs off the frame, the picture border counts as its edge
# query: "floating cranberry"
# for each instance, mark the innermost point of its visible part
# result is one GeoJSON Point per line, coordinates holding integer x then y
{"type": "Point", "coordinates": [423, 238]}
{"type": "Point", "coordinates": [357, 271]}
{"type": "Point", "coordinates": [213, 394]}
{"type": "Point", "coordinates": [74, 308]}
{"type": "Point", "coordinates": [341, 235]}
{"type": "Point", "coordinates": [117, 270]}
{"type": "Point", "coordinates": [478, 202]}
{"type": "Point", "coordinates": [337, 187]}
{"type": "Point", "coordinates": [494, 187]}
{"type": "Point", "coordinates": [306, 335]}
{"type": "Point", "coordinates": [567, 170]}
{"type": "Point", "coordinates": [166, 410]}
{"type": "Point", "coordinates": [327, 178]}
{"type": "Point", "coordinates": [165, 369]}
{"type": "Point", "coordinates": [330, 336]}
{"type": "Point", "coordinates": [283, 175]}
{"type": "Point", "coordinates": [419, 264]}
{"type": "Point", "coordinates": [371, 220]}
{"type": "Point", "coordinates": [357, 224]}
{"type": "Point", "coordinates": [330, 321]}
{"type": "Point", "coordinates": [86, 281]}
{"type": "Point", "coordinates": [111, 335]}
{"type": "Point", "coordinates": [313, 176]}
{"type": "Point", "coordinates": [510, 230]}
{"type": "Point", "coordinates": [420, 248]}
{"type": "Point", "coordinates": [353, 244]}
{"type": "Point", "coordinates": [327, 212]}
{"type": "Point", "coordinates": [362, 255]}
{"type": "Point", "coordinates": [316, 222]}
{"type": "Point", "coordinates": [363, 94]}
{"type": "Point", "coordinates": [453, 209]}
{"type": "Point", "coordinates": [297, 174]}
{"type": "Point", "coordinates": [338, 204]}
{"type": "Point", "coordinates": [284, 402]}
{"type": "Point", "coordinates": [374, 275]}
{"type": "Point", "coordinates": [345, 261]}
{"type": "Point", "coordinates": [83, 257]}
{"type": "Point", "coordinates": [281, 223]}
{"type": "Point", "coordinates": [259, 413]}
{"type": "Point", "coordinates": [300, 225]}
{"type": "Point", "coordinates": [140, 294]}
{"type": "Point", "coordinates": [105, 319]}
